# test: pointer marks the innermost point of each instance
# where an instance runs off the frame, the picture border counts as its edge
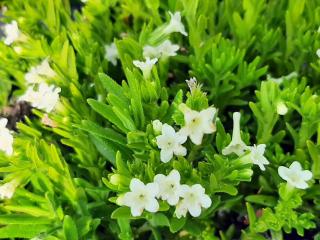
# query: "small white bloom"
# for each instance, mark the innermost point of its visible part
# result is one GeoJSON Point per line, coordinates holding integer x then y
{"type": "Point", "coordinates": [283, 78]}
{"type": "Point", "coordinates": [257, 157]}
{"type": "Point", "coordinates": [36, 74]}
{"type": "Point", "coordinates": [45, 97]}
{"type": "Point", "coordinates": [295, 176]}
{"type": "Point", "coordinates": [193, 84]}
{"type": "Point", "coordinates": [236, 145]}
{"type": "Point", "coordinates": [167, 49]}
{"type": "Point", "coordinates": [7, 190]}
{"type": "Point", "coordinates": [282, 109]}
{"type": "Point", "coordinates": [146, 66]}
{"type": "Point", "coordinates": [193, 199]}
{"type": "Point", "coordinates": [169, 187]}
{"type": "Point", "coordinates": [170, 143]}
{"type": "Point", "coordinates": [197, 123]}
{"type": "Point", "coordinates": [164, 50]}
{"type": "Point", "coordinates": [157, 126]}
{"type": "Point", "coordinates": [175, 24]}
{"type": "Point", "coordinates": [141, 197]}
{"type": "Point", "coordinates": [6, 138]}
{"type": "Point", "coordinates": [12, 32]}
{"type": "Point", "coordinates": [318, 52]}
{"type": "Point", "coordinates": [111, 53]}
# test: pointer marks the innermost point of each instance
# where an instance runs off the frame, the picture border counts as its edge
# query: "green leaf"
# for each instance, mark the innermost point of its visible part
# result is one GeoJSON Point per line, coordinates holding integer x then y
{"type": "Point", "coordinates": [70, 229]}
{"type": "Point", "coordinates": [22, 230]}
{"type": "Point", "coordinates": [176, 224]}
{"type": "Point", "coordinates": [9, 219]}
{"type": "Point", "coordinates": [264, 200]}
{"type": "Point", "coordinates": [159, 219]}
{"type": "Point", "coordinates": [121, 212]}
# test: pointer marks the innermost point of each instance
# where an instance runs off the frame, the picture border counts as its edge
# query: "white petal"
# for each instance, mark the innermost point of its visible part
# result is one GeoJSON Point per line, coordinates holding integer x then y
{"type": "Point", "coordinates": [166, 155]}
{"type": "Point", "coordinates": [180, 151]}
{"type": "Point", "coordinates": [136, 211]}
{"type": "Point", "coordinates": [196, 137]}
{"type": "Point", "coordinates": [300, 184]}
{"type": "Point", "coordinates": [159, 178]}
{"type": "Point", "coordinates": [152, 205]}
{"type": "Point", "coordinates": [181, 136]}
{"type": "Point", "coordinates": [127, 199]}
{"type": "Point", "coordinates": [195, 210]}
{"type": "Point", "coordinates": [152, 189]}
{"type": "Point", "coordinates": [174, 175]}
{"type": "Point", "coordinates": [208, 114]}
{"type": "Point", "coordinates": [296, 166]}
{"type": "Point", "coordinates": [162, 141]}
{"type": "Point", "coordinates": [306, 175]}
{"type": "Point", "coordinates": [136, 185]}
{"type": "Point", "coordinates": [206, 201]}
{"type": "Point", "coordinates": [167, 130]}
{"type": "Point", "coordinates": [283, 172]}
{"type": "Point", "coordinates": [3, 122]}
{"type": "Point", "coordinates": [173, 200]}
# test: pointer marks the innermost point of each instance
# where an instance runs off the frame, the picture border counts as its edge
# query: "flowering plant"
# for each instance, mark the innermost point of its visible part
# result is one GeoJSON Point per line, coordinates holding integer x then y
{"type": "Point", "coordinates": [184, 119]}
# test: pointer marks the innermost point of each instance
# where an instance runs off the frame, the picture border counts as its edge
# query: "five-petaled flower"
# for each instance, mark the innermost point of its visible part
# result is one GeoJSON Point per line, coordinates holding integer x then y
{"type": "Point", "coordinates": [37, 73]}
{"type": "Point", "coordinates": [169, 187]}
{"type": "Point", "coordinates": [257, 157]}
{"type": "Point", "coordinates": [6, 138]}
{"type": "Point", "coordinates": [295, 175]}
{"type": "Point", "coordinates": [12, 32]}
{"type": "Point", "coordinates": [146, 66]}
{"type": "Point", "coordinates": [45, 97]}
{"type": "Point", "coordinates": [170, 143]}
{"type": "Point", "coordinates": [236, 145]}
{"type": "Point", "coordinates": [142, 197]}
{"type": "Point", "coordinates": [111, 53]}
{"type": "Point", "coordinates": [175, 24]}
{"type": "Point", "coordinates": [164, 50]}
{"type": "Point", "coordinates": [197, 123]}
{"type": "Point", "coordinates": [7, 190]}
{"type": "Point", "coordinates": [193, 200]}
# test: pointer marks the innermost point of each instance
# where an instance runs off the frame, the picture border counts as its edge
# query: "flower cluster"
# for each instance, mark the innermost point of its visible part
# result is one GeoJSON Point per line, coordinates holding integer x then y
{"type": "Point", "coordinates": [167, 188]}
{"type": "Point", "coordinates": [39, 94]}
{"type": "Point", "coordinates": [163, 50]}
{"type": "Point", "coordinates": [196, 125]}
{"type": "Point", "coordinates": [238, 147]}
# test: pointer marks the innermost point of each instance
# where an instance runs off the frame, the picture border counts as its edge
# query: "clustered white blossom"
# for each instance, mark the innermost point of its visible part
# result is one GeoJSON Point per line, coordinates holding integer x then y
{"type": "Point", "coordinates": [238, 147]}
{"type": "Point", "coordinates": [167, 188]}
{"type": "Point", "coordinates": [40, 94]}
{"type": "Point", "coordinates": [6, 138]}
{"type": "Point", "coordinates": [44, 97]}
{"type": "Point", "coordinates": [164, 50]}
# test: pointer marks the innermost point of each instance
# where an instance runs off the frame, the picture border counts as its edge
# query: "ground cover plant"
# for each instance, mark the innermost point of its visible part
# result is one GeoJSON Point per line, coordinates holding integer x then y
{"type": "Point", "coordinates": [160, 119]}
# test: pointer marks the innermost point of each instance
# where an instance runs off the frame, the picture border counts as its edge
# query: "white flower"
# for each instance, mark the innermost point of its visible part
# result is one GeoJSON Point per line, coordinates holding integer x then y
{"type": "Point", "coordinates": [12, 32]}
{"type": "Point", "coordinates": [295, 176]}
{"type": "Point", "coordinates": [193, 199]}
{"type": "Point", "coordinates": [282, 109]}
{"type": "Point", "coordinates": [197, 123]}
{"type": "Point", "coordinates": [7, 190]}
{"type": "Point", "coordinates": [193, 84]}
{"type": "Point", "coordinates": [236, 145]}
{"type": "Point", "coordinates": [256, 155]}
{"type": "Point", "coordinates": [45, 97]}
{"type": "Point", "coordinates": [170, 143]}
{"type": "Point", "coordinates": [6, 138]}
{"type": "Point", "coordinates": [141, 197]}
{"type": "Point", "coordinates": [165, 49]}
{"type": "Point", "coordinates": [175, 24]}
{"type": "Point", "coordinates": [36, 74]}
{"type": "Point", "coordinates": [318, 52]}
{"type": "Point", "coordinates": [146, 66]}
{"type": "Point", "coordinates": [111, 53]}
{"type": "Point", "coordinates": [169, 187]}
{"type": "Point", "coordinates": [157, 126]}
